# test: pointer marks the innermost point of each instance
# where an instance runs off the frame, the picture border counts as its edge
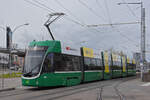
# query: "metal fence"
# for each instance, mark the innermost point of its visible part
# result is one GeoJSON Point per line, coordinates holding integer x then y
{"type": "Point", "coordinates": [9, 78]}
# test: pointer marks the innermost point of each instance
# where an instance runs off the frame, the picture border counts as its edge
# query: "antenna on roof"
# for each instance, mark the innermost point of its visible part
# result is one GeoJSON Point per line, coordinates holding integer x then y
{"type": "Point", "coordinates": [50, 21]}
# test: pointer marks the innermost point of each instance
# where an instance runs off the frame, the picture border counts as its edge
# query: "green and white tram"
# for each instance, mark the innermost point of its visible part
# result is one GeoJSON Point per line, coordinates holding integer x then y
{"type": "Point", "coordinates": [46, 65]}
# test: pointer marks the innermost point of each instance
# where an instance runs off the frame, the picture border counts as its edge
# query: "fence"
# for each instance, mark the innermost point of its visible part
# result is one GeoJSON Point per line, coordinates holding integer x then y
{"type": "Point", "coordinates": [9, 77]}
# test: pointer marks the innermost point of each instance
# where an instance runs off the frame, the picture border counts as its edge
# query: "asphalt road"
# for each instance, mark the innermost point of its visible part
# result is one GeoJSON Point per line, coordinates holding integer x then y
{"type": "Point", "coordinates": [89, 91]}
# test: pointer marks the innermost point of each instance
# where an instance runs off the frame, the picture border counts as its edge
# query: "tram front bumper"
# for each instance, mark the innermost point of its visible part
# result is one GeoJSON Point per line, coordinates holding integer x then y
{"type": "Point", "coordinates": [30, 82]}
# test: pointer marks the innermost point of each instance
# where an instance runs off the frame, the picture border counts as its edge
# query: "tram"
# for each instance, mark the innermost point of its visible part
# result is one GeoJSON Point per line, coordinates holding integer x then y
{"type": "Point", "coordinates": [46, 65]}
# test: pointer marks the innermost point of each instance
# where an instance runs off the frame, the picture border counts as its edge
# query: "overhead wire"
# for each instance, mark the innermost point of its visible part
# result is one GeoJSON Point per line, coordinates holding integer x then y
{"type": "Point", "coordinates": [83, 24]}
{"type": "Point", "coordinates": [45, 8]}
{"type": "Point", "coordinates": [100, 6]}
{"type": "Point", "coordinates": [91, 10]}
{"type": "Point", "coordinates": [60, 4]}
{"type": "Point", "coordinates": [74, 21]}
{"type": "Point", "coordinates": [53, 10]}
{"type": "Point", "coordinates": [124, 36]}
{"type": "Point", "coordinates": [114, 24]}
{"type": "Point", "coordinates": [49, 10]}
{"type": "Point", "coordinates": [108, 13]}
{"type": "Point", "coordinates": [36, 5]}
{"type": "Point", "coordinates": [132, 12]}
{"type": "Point", "coordinates": [44, 5]}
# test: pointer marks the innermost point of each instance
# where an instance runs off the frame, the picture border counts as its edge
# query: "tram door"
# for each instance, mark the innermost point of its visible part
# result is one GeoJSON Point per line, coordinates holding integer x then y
{"type": "Point", "coordinates": [47, 68]}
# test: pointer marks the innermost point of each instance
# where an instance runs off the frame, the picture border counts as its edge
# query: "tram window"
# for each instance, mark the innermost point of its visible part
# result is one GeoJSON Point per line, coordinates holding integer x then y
{"type": "Point", "coordinates": [87, 61]}
{"type": "Point", "coordinates": [93, 62]}
{"type": "Point", "coordinates": [58, 63]}
{"type": "Point", "coordinates": [98, 62]}
{"type": "Point", "coordinates": [76, 64]}
{"type": "Point", "coordinates": [67, 62]}
{"type": "Point", "coordinates": [47, 66]}
{"type": "Point", "coordinates": [131, 66]}
{"type": "Point", "coordinates": [64, 62]}
{"type": "Point", "coordinates": [115, 63]}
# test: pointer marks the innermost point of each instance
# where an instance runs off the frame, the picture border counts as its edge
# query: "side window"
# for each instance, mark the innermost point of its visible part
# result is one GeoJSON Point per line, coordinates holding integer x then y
{"type": "Point", "coordinates": [99, 64]}
{"type": "Point", "coordinates": [64, 62]}
{"type": "Point", "coordinates": [131, 66]}
{"type": "Point", "coordinates": [93, 64]}
{"type": "Point", "coordinates": [68, 62]}
{"type": "Point", "coordinates": [76, 64]}
{"type": "Point", "coordinates": [48, 62]}
{"type": "Point", "coordinates": [58, 62]}
{"type": "Point", "coordinates": [87, 61]}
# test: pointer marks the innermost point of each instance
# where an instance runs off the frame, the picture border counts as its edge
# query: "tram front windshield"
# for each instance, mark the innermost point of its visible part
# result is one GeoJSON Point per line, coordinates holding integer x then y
{"type": "Point", "coordinates": [33, 60]}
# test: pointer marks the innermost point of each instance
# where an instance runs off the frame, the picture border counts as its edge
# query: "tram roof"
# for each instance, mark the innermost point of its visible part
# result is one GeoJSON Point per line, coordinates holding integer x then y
{"type": "Point", "coordinates": [45, 43]}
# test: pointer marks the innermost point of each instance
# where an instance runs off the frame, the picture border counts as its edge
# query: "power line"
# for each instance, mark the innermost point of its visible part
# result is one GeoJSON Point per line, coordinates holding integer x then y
{"type": "Point", "coordinates": [44, 5]}
{"type": "Point", "coordinates": [132, 12]}
{"type": "Point", "coordinates": [90, 9]}
{"type": "Point", "coordinates": [76, 22]}
{"type": "Point", "coordinates": [60, 4]}
{"type": "Point", "coordinates": [108, 13]}
{"type": "Point", "coordinates": [49, 10]}
{"type": "Point", "coordinates": [98, 25]}
{"type": "Point", "coordinates": [70, 19]}
{"type": "Point", "coordinates": [99, 5]}
{"type": "Point", "coordinates": [36, 5]}
{"type": "Point", "coordinates": [55, 11]}
{"type": "Point", "coordinates": [124, 36]}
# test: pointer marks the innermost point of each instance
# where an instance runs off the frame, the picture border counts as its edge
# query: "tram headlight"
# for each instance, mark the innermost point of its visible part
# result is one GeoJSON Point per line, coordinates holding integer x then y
{"type": "Point", "coordinates": [45, 76]}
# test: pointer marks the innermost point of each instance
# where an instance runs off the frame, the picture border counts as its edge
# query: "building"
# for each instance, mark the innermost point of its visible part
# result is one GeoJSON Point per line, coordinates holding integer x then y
{"type": "Point", "coordinates": [4, 59]}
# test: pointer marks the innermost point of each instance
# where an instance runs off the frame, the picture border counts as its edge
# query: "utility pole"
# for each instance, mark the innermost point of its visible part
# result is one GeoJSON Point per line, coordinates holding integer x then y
{"type": "Point", "coordinates": [143, 35]}
{"type": "Point", "coordinates": [143, 60]}
{"type": "Point", "coordinates": [143, 41]}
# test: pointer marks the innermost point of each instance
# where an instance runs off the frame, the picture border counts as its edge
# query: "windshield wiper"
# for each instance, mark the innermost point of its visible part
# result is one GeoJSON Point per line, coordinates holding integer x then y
{"type": "Point", "coordinates": [30, 73]}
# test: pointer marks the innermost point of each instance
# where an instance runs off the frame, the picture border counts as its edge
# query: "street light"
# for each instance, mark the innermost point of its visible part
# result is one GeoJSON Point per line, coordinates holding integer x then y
{"type": "Point", "coordinates": [20, 26]}
{"type": "Point", "coordinates": [10, 40]}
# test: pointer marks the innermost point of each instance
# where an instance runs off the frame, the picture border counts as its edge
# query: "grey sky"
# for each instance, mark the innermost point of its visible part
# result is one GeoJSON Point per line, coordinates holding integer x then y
{"type": "Point", "coordinates": [125, 37]}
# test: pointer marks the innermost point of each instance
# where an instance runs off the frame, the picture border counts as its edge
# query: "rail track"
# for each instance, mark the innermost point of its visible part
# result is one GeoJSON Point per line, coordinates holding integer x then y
{"type": "Point", "coordinates": [115, 87]}
{"type": "Point", "coordinates": [48, 90]}
{"type": "Point", "coordinates": [58, 93]}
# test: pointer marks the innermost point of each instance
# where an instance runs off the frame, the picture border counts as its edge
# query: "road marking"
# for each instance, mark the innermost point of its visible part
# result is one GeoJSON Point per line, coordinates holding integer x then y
{"type": "Point", "coordinates": [146, 84]}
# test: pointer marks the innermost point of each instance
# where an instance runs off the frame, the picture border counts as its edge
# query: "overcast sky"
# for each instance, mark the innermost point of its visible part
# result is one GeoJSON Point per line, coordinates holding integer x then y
{"type": "Point", "coordinates": [87, 12]}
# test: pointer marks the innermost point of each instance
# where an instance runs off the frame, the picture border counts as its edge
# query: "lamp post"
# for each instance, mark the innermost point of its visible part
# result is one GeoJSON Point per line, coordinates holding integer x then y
{"type": "Point", "coordinates": [142, 36]}
{"type": "Point", "coordinates": [9, 33]}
